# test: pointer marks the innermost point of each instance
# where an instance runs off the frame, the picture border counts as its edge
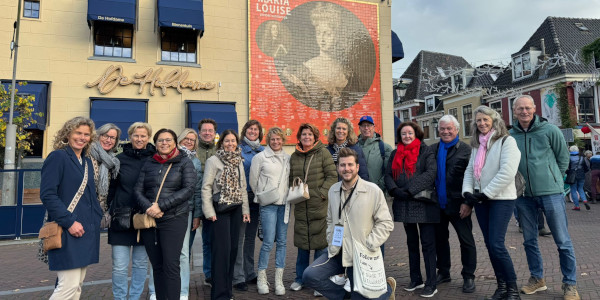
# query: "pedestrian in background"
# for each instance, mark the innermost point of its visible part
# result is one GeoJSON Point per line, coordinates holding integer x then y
{"type": "Point", "coordinates": [578, 166]}
{"type": "Point", "coordinates": [122, 204]}
{"type": "Point", "coordinates": [489, 185]}
{"type": "Point", "coordinates": [269, 175]}
{"type": "Point", "coordinates": [67, 180]}
{"type": "Point", "coordinates": [594, 176]}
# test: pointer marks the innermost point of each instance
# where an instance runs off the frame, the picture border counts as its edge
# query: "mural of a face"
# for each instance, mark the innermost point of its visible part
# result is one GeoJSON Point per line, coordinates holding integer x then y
{"type": "Point", "coordinates": [274, 30]}
{"type": "Point", "coordinates": [325, 37]}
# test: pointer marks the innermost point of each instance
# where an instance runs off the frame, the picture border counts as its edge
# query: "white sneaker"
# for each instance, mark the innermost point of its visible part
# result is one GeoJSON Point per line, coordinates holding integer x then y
{"type": "Point", "coordinates": [296, 286]}
{"type": "Point", "coordinates": [152, 296]}
{"type": "Point", "coordinates": [347, 286]}
{"type": "Point", "coordinates": [317, 294]}
{"type": "Point", "coordinates": [182, 297]}
{"type": "Point", "coordinates": [338, 279]}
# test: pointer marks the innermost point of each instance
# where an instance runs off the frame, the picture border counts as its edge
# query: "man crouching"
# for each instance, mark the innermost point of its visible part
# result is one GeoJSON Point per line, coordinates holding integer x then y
{"type": "Point", "coordinates": [363, 204]}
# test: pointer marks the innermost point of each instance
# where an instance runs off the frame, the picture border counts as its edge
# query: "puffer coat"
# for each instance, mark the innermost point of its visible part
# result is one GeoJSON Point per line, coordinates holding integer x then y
{"type": "Point", "coordinates": [178, 188]}
{"type": "Point", "coordinates": [311, 215]}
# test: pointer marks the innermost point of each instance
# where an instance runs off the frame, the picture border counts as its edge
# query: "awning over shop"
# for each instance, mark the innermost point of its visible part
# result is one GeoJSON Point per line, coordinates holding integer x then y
{"type": "Point", "coordinates": [121, 11]}
{"type": "Point", "coordinates": [397, 50]}
{"type": "Point", "coordinates": [397, 123]}
{"type": "Point", "coordinates": [223, 113]}
{"type": "Point", "coordinates": [122, 113]}
{"type": "Point", "coordinates": [187, 14]}
{"type": "Point", "coordinates": [40, 93]}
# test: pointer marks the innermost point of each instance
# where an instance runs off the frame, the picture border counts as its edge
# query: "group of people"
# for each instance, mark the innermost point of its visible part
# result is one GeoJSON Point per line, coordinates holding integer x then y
{"type": "Point", "coordinates": [231, 188]}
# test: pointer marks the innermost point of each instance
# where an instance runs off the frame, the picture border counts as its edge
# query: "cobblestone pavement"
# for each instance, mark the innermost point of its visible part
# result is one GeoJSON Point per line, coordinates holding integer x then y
{"type": "Point", "coordinates": [23, 277]}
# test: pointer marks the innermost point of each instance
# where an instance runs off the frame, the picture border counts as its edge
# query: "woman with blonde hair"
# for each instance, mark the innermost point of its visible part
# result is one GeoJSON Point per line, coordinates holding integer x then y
{"type": "Point", "coordinates": [68, 193]}
{"type": "Point", "coordinates": [342, 135]}
{"type": "Point", "coordinates": [269, 180]}
{"type": "Point", "coordinates": [106, 165]}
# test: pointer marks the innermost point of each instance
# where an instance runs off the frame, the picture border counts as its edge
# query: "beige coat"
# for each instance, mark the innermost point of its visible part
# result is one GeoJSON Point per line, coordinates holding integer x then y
{"type": "Point", "coordinates": [212, 170]}
{"type": "Point", "coordinates": [370, 218]}
{"type": "Point", "coordinates": [267, 170]}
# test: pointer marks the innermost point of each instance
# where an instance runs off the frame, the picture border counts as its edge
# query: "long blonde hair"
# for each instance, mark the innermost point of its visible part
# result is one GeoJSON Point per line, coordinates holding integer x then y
{"type": "Point", "coordinates": [61, 139]}
{"type": "Point", "coordinates": [352, 138]}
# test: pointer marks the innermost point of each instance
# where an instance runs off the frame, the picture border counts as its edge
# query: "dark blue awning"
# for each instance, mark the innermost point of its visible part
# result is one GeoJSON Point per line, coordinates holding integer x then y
{"type": "Point", "coordinates": [40, 93]}
{"type": "Point", "coordinates": [397, 50]}
{"type": "Point", "coordinates": [397, 123]}
{"type": "Point", "coordinates": [181, 14]}
{"type": "Point", "coordinates": [120, 11]}
{"type": "Point", "coordinates": [122, 113]}
{"type": "Point", "coordinates": [223, 113]}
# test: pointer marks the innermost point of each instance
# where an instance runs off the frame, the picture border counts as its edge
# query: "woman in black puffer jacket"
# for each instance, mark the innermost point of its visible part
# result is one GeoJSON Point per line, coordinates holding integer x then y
{"type": "Point", "coordinates": [163, 243]}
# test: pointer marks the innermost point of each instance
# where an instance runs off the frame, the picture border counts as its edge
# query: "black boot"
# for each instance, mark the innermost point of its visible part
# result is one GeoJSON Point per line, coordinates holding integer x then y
{"type": "Point", "coordinates": [500, 293]}
{"type": "Point", "coordinates": [512, 291]}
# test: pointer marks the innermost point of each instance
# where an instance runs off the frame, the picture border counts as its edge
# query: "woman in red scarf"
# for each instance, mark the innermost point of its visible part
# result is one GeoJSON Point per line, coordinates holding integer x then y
{"type": "Point", "coordinates": [409, 176]}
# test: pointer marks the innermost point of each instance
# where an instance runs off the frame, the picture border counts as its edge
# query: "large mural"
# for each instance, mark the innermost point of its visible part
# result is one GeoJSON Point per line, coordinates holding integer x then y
{"type": "Point", "coordinates": [313, 61]}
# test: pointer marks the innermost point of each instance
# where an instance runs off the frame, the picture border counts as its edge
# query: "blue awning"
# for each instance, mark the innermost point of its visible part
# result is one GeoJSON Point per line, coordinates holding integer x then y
{"type": "Point", "coordinates": [397, 50]}
{"type": "Point", "coordinates": [397, 123]}
{"type": "Point", "coordinates": [120, 11]}
{"type": "Point", "coordinates": [122, 113]}
{"type": "Point", "coordinates": [40, 93]}
{"type": "Point", "coordinates": [223, 113]}
{"type": "Point", "coordinates": [181, 14]}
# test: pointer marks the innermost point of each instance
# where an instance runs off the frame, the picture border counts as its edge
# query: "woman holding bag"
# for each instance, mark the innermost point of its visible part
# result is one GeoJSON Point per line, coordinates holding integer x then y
{"type": "Point", "coordinates": [165, 184]}
{"type": "Point", "coordinates": [122, 202]}
{"type": "Point", "coordinates": [269, 180]}
{"type": "Point", "coordinates": [225, 203]}
{"type": "Point", "coordinates": [311, 160]}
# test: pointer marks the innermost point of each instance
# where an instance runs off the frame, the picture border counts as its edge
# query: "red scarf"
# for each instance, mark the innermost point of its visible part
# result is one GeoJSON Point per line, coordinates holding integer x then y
{"type": "Point", "coordinates": [409, 154]}
{"type": "Point", "coordinates": [161, 160]}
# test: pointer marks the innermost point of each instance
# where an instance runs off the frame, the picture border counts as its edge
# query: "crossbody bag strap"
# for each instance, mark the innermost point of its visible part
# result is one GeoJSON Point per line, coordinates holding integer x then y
{"type": "Point", "coordinates": [307, 168]}
{"type": "Point", "coordinates": [81, 189]}
{"type": "Point", "coordinates": [163, 182]}
{"type": "Point", "coordinates": [282, 171]}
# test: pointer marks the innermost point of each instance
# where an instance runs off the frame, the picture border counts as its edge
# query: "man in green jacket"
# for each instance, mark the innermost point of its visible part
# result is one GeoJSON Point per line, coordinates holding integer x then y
{"type": "Point", "coordinates": [375, 150]}
{"type": "Point", "coordinates": [544, 160]}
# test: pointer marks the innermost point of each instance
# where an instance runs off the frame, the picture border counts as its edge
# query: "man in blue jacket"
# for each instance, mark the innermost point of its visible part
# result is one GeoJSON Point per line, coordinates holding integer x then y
{"type": "Point", "coordinates": [544, 160]}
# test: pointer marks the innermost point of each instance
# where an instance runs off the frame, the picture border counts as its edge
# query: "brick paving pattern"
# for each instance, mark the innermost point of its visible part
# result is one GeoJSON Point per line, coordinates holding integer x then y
{"type": "Point", "coordinates": [23, 277]}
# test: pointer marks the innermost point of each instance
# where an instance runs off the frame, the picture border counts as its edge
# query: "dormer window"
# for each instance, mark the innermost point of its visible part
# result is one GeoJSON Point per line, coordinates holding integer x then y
{"type": "Point", "coordinates": [522, 64]}
{"type": "Point", "coordinates": [431, 102]}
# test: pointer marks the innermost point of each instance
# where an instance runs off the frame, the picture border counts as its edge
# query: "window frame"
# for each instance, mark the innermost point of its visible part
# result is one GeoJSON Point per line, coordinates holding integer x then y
{"type": "Point", "coordinates": [467, 117]}
{"type": "Point", "coordinates": [425, 126]}
{"type": "Point", "coordinates": [39, 9]}
{"type": "Point", "coordinates": [114, 26]}
{"type": "Point", "coordinates": [196, 34]}
{"type": "Point", "coordinates": [495, 103]}
{"type": "Point", "coordinates": [453, 112]}
{"type": "Point", "coordinates": [522, 60]}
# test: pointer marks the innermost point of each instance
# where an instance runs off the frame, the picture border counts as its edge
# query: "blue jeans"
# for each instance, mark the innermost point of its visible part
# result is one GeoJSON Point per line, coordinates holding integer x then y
{"type": "Point", "coordinates": [317, 276]}
{"type": "Point", "coordinates": [120, 264]}
{"type": "Point", "coordinates": [206, 242]}
{"type": "Point", "coordinates": [577, 188]}
{"type": "Point", "coordinates": [302, 261]}
{"type": "Point", "coordinates": [553, 207]}
{"type": "Point", "coordinates": [493, 217]}
{"type": "Point", "coordinates": [274, 229]}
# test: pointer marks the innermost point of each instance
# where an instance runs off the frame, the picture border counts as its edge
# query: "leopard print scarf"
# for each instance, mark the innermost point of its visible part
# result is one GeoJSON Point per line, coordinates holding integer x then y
{"type": "Point", "coordinates": [231, 191]}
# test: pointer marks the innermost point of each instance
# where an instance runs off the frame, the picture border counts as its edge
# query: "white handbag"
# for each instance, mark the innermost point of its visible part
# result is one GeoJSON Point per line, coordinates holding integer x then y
{"type": "Point", "coordinates": [270, 196]}
{"type": "Point", "coordinates": [299, 190]}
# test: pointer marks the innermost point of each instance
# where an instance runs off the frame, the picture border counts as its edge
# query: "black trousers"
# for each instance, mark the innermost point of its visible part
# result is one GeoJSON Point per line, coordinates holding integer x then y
{"type": "Point", "coordinates": [468, 250]}
{"type": "Point", "coordinates": [250, 238]}
{"type": "Point", "coordinates": [426, 232]}
{"type": "Point", "coordinates": [224, 235]}
{"type": "Point", "coordinates": [163, 245]}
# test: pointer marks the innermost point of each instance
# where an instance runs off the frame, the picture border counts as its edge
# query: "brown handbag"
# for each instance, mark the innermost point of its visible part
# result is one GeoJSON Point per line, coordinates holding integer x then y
{"type": "Point", "coordinates": [144, 221]}
{"type": "Point", "coordinates": [51, 232]}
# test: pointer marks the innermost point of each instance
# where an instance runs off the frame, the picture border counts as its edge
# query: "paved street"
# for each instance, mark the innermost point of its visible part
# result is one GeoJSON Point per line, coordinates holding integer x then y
{"type": "Point", "coordinates": [23, 277]}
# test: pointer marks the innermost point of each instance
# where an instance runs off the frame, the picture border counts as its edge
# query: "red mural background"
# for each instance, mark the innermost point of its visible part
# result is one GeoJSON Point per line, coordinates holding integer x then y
{"type": "Point", "coordinates": [313, 61]}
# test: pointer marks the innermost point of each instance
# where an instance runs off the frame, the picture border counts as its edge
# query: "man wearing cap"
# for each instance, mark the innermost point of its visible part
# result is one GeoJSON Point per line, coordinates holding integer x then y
{"type": "Point", "coordinates": [375, 150]}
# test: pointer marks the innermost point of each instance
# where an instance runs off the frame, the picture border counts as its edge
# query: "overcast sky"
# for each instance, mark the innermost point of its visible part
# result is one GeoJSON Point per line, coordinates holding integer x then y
{"type": "Point", "coordinates": [484, 31]}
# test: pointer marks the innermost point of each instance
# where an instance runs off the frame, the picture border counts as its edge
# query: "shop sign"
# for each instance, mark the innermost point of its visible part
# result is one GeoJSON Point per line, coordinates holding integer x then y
{"type": "Point", "coordinates": [113, 77]}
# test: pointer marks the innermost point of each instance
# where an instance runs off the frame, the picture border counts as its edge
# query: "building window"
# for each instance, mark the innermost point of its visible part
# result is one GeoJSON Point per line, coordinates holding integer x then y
{"type": "Point", "coordinates": [113, 39]}
{"type": "Point", "coordinates": [31, 9]}
{"type": "Point", "coordinates": [178, 44]}
{"type": "Point", "coordinates": [436, 133]}
{"type": "Point", "coordinates": [453, 112]}
{"type": "Point", "coordinates": [426, 129]}
{"type": "Point", "coordinates": [522, 64]}
{"type": "Point", "coordinates": [467, 119]}
{"type": "Point", "coordinates": [429, 104]}
{"type": "Point", "coordinates": [497, 106]}
{"type": "Point", "coordinates": [122, 113]}
{"type": "Point", "coordinates": [405, 116]}
{"type": "Point", "coordinates": [585, 107]}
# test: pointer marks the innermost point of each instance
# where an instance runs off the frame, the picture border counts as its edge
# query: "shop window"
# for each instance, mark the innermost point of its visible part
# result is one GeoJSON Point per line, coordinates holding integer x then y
{"type": "Point", "coordinates": [467, 119]}
{"type": "Point", "coordinates": [31, 9]}
{"type": "Point", "coordinates": [120, 112]}
{"type": "Point", "coordinates": [178, 45]}
{"type": "Point", "coordinates": [585, 108]}
{"type": "Point", "coordinates": [113, 39]}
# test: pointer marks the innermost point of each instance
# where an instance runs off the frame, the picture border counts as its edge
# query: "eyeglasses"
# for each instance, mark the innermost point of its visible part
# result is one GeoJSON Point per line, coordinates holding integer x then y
{"type": "Point", "coordinates": [108, 137]}
{"type": "Point", "coordinates": [189, 140]}
{"type": "Point", "coordinates": [168, 141]}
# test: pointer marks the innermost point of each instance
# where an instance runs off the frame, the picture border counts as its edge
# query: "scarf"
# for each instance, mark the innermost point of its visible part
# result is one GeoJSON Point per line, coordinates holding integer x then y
{"type": "Point", "coordinates": [189, 153]}
{"type": "Point", "coordinates": [405, 159]}
{"type": "Point", "coordinates": [481, 152]}
{"type": "Point", "coordinates": [161, 160]}
{"type": "Point", "coordinates": [302, 150]}
{"type": "Point", "coordinates": [440, 180]}
{"type": "Point", "coordinates": [206, 145]}
{"type": "Point", "coordinates": [253, 144]}
{"type": "Point", "coordinates": [106, 162]}
{"type": "Point", "coordinates": [229, 181]}
{"type": "Point", "coordinates": [337, 149]}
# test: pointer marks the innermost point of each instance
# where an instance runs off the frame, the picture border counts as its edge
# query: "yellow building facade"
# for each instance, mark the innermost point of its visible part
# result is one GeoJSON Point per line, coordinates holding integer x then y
{"type": "Point", "coordinates": [462, 107]}
{"type": "Point", "coordinates": [63, 49]}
